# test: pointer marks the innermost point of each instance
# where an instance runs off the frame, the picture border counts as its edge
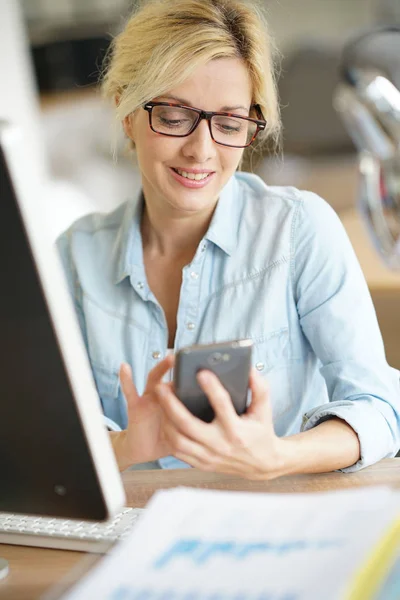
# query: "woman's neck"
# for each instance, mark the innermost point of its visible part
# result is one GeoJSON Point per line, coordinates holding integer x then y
{"type": "Point", "coordinates": [173, 237]}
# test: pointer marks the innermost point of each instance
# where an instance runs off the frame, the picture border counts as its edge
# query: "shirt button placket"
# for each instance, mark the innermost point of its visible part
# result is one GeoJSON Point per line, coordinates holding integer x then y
{"type": "Point", "coordinates": [192, 292]}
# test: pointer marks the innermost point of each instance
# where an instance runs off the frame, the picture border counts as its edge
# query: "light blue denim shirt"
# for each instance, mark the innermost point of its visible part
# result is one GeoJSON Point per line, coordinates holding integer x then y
{"type": "Point", "coordinates": [275, 266]}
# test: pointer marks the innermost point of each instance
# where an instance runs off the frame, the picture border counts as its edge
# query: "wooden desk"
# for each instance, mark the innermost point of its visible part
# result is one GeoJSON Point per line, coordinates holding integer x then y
{"type": "Point", "coordinates": [34, 571]}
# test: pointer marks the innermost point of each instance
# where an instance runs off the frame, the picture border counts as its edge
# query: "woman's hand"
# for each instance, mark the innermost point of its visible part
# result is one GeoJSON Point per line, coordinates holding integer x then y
{"type": "Point", "coordinates": [142, 440]}
{"type": "Point", "coordinates": [242, 445]}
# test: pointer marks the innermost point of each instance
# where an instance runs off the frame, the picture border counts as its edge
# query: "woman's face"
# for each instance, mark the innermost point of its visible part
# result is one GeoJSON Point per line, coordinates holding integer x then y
{"type": "Point", "coordinates": [219, 84]}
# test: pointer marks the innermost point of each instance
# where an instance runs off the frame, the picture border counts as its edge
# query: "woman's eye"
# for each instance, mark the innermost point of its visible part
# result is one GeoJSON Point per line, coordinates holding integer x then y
{"type": "Point", "coordinates": [230, 126]}
{"type": "Point", "coordinates": [172, 122]}
{"type": "Point", "coordinates": [172, 119]}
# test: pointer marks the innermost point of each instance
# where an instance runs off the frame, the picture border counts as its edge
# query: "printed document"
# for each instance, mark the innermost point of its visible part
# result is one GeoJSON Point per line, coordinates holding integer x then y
{"type": "Point", "coordinates": [195, 544]}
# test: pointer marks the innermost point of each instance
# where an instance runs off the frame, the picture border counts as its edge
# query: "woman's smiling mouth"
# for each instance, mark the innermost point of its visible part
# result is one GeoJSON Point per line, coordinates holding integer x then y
{"type": "Point", "coordinates": [193, 178]}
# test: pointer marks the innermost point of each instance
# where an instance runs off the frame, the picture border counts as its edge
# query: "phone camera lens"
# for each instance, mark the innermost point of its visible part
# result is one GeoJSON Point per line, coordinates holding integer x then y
{"type": "Point", "coordinates": [215, 358]}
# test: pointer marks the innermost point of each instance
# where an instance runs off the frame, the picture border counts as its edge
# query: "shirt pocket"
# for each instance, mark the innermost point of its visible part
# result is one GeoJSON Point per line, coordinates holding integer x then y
{"type": "Point", "coordinates": [271, 358]}
{"type": "Point", "coordinates": [110, 393]}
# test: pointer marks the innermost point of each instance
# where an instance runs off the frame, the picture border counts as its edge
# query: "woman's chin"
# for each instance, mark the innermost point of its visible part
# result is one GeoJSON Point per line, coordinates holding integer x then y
{"type": "Point", "coordinates": [192, 200]}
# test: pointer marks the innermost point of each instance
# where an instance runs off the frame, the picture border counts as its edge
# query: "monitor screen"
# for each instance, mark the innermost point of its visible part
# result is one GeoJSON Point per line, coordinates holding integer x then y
{"type": "Point", "coordinates": [46, 463]}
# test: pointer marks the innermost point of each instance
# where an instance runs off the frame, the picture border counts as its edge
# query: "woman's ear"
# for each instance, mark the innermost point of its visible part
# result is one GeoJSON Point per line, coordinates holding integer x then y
{"type": "Point", "coordinates": [127, 124]}
{"type": "Point", "coordinates": [127, 121]}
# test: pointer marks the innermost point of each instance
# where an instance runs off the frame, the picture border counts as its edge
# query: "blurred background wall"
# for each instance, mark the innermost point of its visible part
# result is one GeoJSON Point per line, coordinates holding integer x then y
{"type": "Point", "coordinates": [67, 40]}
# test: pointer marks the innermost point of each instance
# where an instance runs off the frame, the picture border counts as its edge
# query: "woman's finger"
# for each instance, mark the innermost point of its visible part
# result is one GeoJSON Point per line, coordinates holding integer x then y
{"type": "Point", "coordinates": [180, 416]}
{"type": "Point", "coordinates": [193, 462]}
{"type": "Point", "coordinates": [260, 407]}
{"type": "Point", "coordinates": [219, 399]}
{"type": "Point", "coordinates": [157, 373]}
{"type": "Point", "coordinates": [185, 446]}
{"type": "Point", "coordinates": [128, 387]}
{"type": "Point", "coordinates": [211, 467]}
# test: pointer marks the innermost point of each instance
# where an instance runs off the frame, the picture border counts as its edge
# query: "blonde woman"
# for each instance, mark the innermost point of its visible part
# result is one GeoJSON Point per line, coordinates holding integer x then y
{"type": "Point", "coordinates": [203, 253]}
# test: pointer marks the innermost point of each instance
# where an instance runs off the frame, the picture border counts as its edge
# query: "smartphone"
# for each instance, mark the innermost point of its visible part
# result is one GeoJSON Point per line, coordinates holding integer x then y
{"type": "Point", "coordinates": [230, 361]}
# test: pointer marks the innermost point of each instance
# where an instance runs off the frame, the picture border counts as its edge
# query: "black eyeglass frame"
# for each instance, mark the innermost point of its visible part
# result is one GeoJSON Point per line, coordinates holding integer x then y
{"type": "Point", "coordinates": [207, 115]}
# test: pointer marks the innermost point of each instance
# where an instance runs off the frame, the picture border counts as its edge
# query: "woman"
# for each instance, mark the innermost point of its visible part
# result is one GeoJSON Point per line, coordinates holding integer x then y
{"type": "Point", "coordinates": [204, 254]}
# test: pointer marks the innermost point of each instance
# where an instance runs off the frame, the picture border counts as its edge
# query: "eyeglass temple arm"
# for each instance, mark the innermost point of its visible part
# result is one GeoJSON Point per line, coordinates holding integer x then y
{"type": "Point", "coordinates": [260, 116]}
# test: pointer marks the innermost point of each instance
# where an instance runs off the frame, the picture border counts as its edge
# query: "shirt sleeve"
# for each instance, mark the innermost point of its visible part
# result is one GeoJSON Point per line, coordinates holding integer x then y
{"type": "Point", "coordinates": [338, 318]}
{"type": "Point", "coordinates": [64, 250]}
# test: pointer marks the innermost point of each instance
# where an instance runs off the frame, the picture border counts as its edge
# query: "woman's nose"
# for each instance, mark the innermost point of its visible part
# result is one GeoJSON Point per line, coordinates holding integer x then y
{"type": "Point", "coordinates": [199, 144]}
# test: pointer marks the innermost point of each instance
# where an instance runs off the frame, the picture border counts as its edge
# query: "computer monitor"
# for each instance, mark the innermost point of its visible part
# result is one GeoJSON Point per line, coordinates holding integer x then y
{"type": "Point", "coordinates": [56, 458]}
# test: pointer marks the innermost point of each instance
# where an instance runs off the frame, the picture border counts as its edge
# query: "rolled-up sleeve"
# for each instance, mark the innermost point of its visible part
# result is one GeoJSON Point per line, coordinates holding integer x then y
{"type": "Point", "coordinates": [338, 318]}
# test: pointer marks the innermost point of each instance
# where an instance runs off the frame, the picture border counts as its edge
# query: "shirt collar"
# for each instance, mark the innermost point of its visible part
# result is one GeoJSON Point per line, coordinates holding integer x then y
{"type": "Point", "coordinates": [223, 229]}
{"type": "Point", "coordinates": [128, 251]}
{"type": "Point", "coordinates": [222, 232]}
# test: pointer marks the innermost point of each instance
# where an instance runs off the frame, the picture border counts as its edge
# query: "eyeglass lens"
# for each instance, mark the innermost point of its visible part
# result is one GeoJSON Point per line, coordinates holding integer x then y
{"type": "Point", "coordinates": [230, 131]}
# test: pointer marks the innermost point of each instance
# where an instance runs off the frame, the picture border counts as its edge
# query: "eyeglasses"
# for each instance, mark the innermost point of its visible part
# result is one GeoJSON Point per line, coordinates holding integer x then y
{"type": "Point", "coordinates": [226, 129]}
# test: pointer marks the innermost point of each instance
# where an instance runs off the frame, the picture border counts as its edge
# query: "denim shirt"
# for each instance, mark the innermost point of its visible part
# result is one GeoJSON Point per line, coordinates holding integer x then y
{"type": "Point", "coordinates": [275, 266]}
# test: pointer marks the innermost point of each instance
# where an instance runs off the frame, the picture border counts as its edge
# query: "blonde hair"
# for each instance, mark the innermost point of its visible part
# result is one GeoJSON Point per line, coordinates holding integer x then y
{"type": "Point", "coordinates": [165, 41]}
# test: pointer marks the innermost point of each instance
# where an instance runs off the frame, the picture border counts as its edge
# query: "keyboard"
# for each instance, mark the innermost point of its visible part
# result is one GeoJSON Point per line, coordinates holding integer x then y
{"type": "Point", "coordinates": [66, 534]}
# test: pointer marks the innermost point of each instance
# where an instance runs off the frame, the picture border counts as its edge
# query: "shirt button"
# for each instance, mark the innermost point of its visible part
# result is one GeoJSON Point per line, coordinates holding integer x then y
{"type": "Point", "coordinates": [190, 326]}
{"type": "Point", "coordinates": [140, 285]}
{"type": "Point", "coordinates": [156, 354]}
{"type": "Point", "coordinates": [204, 246]}
{"type": "Point", "coordinates": [259, 366]}
{"type": "Point", "coordinates": [194, 275]}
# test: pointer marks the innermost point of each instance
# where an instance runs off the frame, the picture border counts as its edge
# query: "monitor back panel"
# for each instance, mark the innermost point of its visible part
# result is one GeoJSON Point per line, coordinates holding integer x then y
{"type": "Point", "coordinates": [45, 463]}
